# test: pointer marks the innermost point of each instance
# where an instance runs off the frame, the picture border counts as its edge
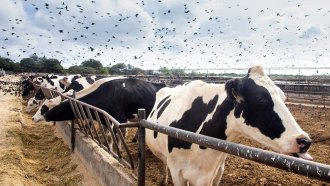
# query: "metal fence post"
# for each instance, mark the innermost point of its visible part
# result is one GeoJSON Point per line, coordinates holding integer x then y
{"type": "Point", "coordinates": [73, 132]}
{"type": "Point", "coordinates": [141, 148]}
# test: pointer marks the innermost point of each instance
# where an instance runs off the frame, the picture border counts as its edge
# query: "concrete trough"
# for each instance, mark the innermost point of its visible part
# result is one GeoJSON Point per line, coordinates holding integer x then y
{"type": "Point", "coordinates": [100, 163]}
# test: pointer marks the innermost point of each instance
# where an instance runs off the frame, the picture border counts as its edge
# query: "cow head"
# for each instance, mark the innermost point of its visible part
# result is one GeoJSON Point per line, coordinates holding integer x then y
{"type": "Point", "coordinates": [47, 105]}
{"type": "Point", "coordinates": [65, 81]}
{"type": "Point", "coordinates": [27, 88]}
{"type": "Point", "coordinates": [32, 104]}
{"type": "Point", "coordinates": [263, 115]}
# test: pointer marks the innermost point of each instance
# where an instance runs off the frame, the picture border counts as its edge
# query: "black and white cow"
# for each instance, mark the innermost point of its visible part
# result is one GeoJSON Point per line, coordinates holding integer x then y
{"type": "Point", "coordinates": [27, 88]}
{"type": "Point", "coordinates": [35, 101]}
{"type": "Point", "coordinates": [52, 82]}
{"type": "Point", "coordinates": [252, 106]}
{"type": "Point", "coordinates": [80, 83]}
{"type": "Point", "coordinates": [120, 97]}
{"type": "Point", "coordinates": [77, 85]}
{"type": "Point", "coordinates": [55, 82]}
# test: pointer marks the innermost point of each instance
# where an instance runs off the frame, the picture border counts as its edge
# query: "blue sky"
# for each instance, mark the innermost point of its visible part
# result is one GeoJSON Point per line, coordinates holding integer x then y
{"type": "Point", "coordinates": [181, 34]}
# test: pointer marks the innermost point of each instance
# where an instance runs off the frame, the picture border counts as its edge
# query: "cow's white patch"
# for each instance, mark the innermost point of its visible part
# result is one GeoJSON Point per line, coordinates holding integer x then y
{"type": "Point", "coordinates": [95, 85]}
{"type": "Point", "coordinates": [123, 84]}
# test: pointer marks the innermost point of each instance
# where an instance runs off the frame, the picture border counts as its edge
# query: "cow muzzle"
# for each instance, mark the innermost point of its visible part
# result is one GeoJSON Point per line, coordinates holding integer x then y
{"type": "Point", "coordinates": [303, 143]}
{"type": "Point", "coordinates": [34, 119]}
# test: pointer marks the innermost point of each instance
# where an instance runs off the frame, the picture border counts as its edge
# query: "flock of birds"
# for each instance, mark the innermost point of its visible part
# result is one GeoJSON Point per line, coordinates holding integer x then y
{"type": "Point", "coordinates": [10, 87]}
{"type": "Point", "coordinates": [111, 33]}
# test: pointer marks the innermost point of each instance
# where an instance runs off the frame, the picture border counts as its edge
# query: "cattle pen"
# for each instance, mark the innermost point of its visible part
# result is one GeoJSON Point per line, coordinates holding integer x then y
{"type": "Point", "coordinates": [87, 115]}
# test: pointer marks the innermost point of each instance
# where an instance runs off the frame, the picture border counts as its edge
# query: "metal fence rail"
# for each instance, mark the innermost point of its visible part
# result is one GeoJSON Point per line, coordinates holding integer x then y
{"type": "Point", "coordinates": [98, 125]}
{"type": "Point", "coordinates": [296, 165]}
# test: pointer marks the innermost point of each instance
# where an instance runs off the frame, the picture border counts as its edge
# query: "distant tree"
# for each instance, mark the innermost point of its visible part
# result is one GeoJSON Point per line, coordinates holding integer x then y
{"type": "Point", "coordinates": [103, 71]}
{"type": "Point", "coordinates": [51, 66]}
{"type": "Point", "coordinates": [28, 65]}
{"type": "Point", "coordinates": [119, 69]}
{"type": "Point", "coordinates": [97, 65]}
{"type": "Point", "coordinates": [6, 63]}
{"type": "Point", "coordinates": [178, 72]}
{"type": "Point", "coordinates": [81, 70]}
{"type": "Point", "coordinates": [192, 74]}
{"type": "Point", "coordinates": [164, 71]}
{"type": "Point", "coordinates": [151, 72]}
{"type": "Point", "coordinates": [137, 71]}
{"type": "Point", "coordinates": [92, 63]}
{"type": "Point", "coordinates": [34, 57]}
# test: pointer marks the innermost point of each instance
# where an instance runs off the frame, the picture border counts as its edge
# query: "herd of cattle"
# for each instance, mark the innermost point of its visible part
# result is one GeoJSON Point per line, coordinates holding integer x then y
{"type": "Point", "coordinates": [251, 106]}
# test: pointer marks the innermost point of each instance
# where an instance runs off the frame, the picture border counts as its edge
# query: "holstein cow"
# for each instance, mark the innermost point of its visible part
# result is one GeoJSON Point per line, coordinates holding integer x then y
{"type": "Point", "coordinates": [80, 83]}
{"type": "Point", "coordinates": [52, 82]}
{"type": "Point", "coordinates": [76, 85]}
{"type": "Point", "coordinates": [27, 88]}
{"type": "Point", "coordinates": [47, 105]}
{"type": "Point", "coordinates": [55, 82]}
{"type": "Point", "coordinates": [251, 106]}
{"type": "Point", "coordinates": [35, 101]}
{"type": "Point", "coordinates": [120, 97]}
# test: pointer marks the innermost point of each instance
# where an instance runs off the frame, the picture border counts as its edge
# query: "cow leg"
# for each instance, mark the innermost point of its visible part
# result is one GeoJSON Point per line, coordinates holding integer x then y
{"type": "Point", "coordinates": [177, 177]}
{"type": "Point", "coordinates": [164, 175]}
{"type": "Point", "coordinates": [217, 179]}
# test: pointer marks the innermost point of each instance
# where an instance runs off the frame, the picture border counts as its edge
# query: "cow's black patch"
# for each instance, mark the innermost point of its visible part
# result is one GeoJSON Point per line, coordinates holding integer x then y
{"type": "Point", "coordinates": [238, 110]}
{"type": "Point", "coordinates": [39, 95]}
{"type": "Point", "coordinates": [152, 113]}
{"type": "Point", "coordinates": [50, 82]}
{"type": "Point", "coordinates": [216, 127]}
{"type": "Point", "coordinates": [161, 110]}
{"type": "Point", "coordinates": [74, 86]}
{"type": "Point", "coordinates": [27, 87]}
{"type": "Point", "coordinates": [191, 121]}
{"type": "Point", "coordinates": [89, 80]}
{"type": "Point", "coordinates": [61, 85]}
{"type": "Point", "coordinates": [99, 77]}
{"type": "Point", "coordinates": [162, 101]}
{"type": "Point", "coordinates": [75, 77]}
{"type": "Point", "coordinates": [54, 77]}
{"type": "Point", "coordinates": [258, 110]}
{"type": "Point", "coordinates": [44, 109]}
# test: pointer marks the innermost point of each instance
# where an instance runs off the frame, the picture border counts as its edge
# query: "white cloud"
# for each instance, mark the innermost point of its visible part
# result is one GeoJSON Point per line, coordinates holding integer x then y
{"type": "Point", "coordinates": [313, 31]}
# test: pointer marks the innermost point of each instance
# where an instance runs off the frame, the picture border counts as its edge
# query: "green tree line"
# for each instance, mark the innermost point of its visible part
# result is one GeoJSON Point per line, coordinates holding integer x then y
{"type": "Point", "coordinates": [91, 66]}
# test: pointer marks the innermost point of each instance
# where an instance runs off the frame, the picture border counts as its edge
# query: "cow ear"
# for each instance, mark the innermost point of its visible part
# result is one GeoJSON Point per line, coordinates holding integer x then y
{"type": "Point", "coordinates": [234, 90]}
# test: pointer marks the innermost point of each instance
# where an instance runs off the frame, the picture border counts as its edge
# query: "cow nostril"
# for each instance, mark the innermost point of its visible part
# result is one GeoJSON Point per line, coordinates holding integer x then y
{"type": "Point", "coordinates": [304, 144]}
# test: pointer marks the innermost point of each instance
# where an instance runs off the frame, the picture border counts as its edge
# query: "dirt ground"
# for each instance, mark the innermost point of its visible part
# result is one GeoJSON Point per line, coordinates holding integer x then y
{"type": "Point", "coordinates": [238, 171]}
{"type": "Point", "coordinates": [34, 154]}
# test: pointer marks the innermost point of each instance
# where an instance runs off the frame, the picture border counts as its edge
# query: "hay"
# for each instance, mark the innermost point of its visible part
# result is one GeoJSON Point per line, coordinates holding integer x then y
{"type": "Point", "coordinates": [41, 159]}
{"type": "Point", "coordinates": [41, 144]}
